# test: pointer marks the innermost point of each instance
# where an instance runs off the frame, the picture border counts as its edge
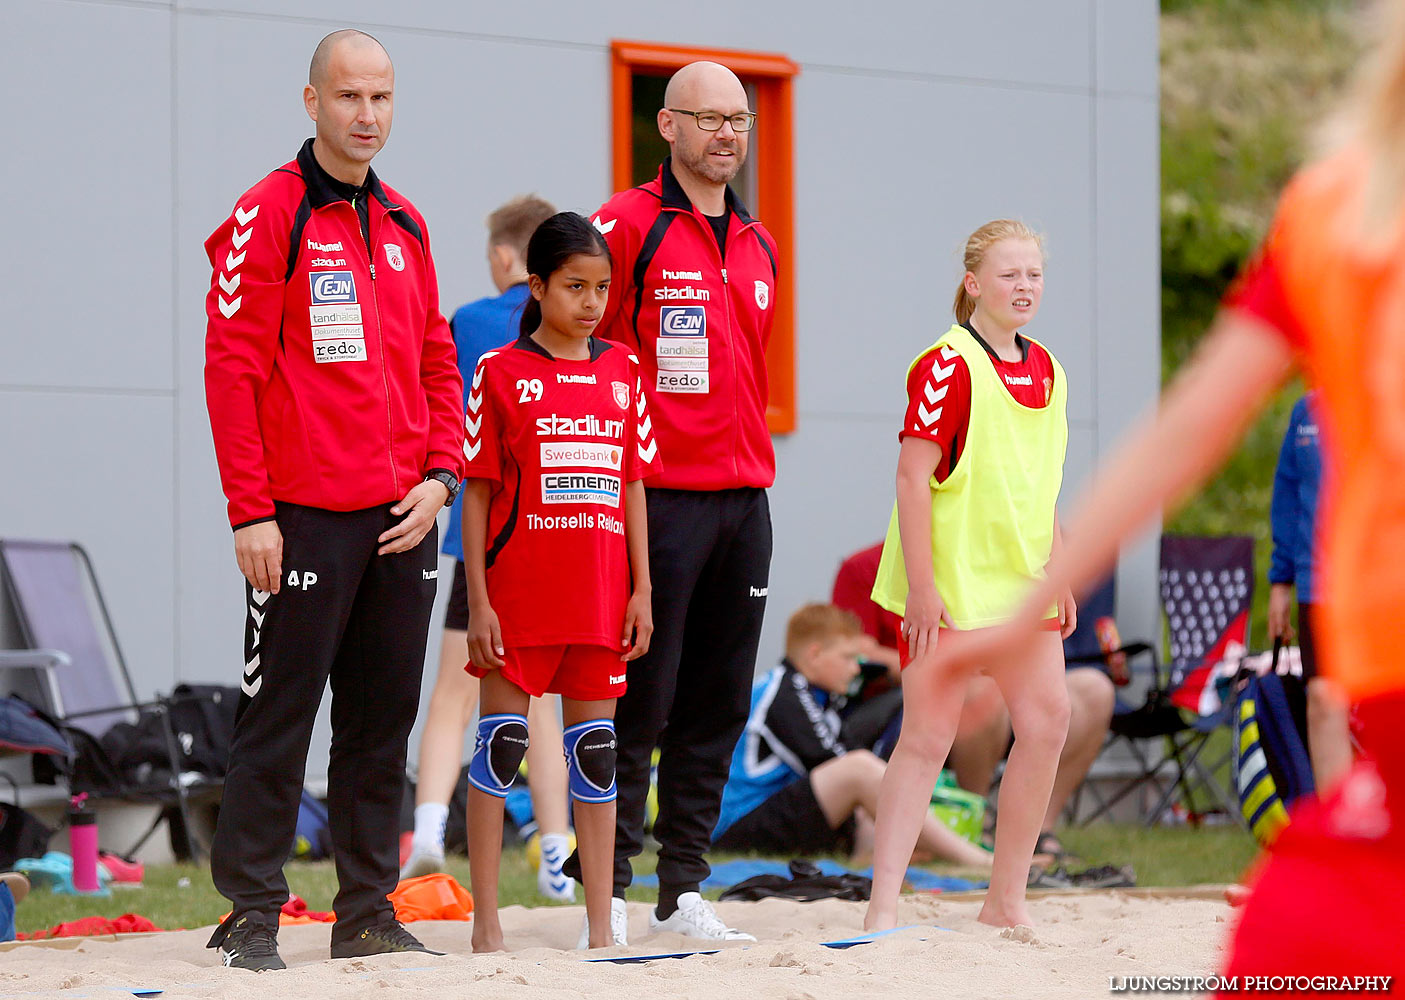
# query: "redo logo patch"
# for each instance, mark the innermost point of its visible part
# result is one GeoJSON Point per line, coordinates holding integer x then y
{"type": "Point", "coordinates": [332, 286]}
{"type": "Point", "coordinates": [683, 321]}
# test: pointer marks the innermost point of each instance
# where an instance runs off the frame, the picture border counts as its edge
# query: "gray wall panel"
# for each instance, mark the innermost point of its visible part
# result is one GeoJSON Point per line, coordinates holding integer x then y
{"type": "Point", "coordinates": [833, 494]}
{"type": "Point", "coordinates": [96, 470]}
{"type": "Point", "coordinates": [950, 38]}
{"type": "Point", "coordinates": [1126, 32]}
{"type": "Point", "coordinates": [879, 260]}
{"type": "Point", "coordinates": [87, 255]}
{"type": "Point", "coordinates": [1128, 291]}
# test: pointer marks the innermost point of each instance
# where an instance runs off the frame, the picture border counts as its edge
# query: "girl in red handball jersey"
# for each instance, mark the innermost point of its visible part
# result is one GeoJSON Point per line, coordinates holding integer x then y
{"type": "Point", "coordinates": [982, 458]}
{"type": "Point", "coordinates": [556, 554]}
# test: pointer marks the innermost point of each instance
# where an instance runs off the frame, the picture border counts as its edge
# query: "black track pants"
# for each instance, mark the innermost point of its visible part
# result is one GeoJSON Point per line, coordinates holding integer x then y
{"type": "Point", "coordinates": [361, 619]}
{"type": "Point", "coordinates": [709, 559]}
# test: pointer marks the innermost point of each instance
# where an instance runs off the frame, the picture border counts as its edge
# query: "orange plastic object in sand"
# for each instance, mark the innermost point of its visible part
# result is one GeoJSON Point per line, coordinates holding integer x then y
{"type": "Point", "coordinates": [432, 897]}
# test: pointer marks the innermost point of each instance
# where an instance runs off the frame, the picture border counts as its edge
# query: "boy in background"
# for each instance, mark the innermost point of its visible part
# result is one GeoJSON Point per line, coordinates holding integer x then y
{"type": "Point", "coordinates": [794, 786]}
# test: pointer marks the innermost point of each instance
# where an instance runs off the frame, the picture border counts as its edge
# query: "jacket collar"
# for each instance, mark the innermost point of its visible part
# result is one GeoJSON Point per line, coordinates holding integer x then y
{"type": "Point", "coordinates": [675, 197]}
{"type": "Point", "coordinates": [321, 189]}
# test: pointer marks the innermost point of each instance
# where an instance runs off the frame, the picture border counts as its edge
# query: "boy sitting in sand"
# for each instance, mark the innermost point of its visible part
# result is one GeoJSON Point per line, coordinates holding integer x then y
{"type": "Point", "coordinates": [795, 787]}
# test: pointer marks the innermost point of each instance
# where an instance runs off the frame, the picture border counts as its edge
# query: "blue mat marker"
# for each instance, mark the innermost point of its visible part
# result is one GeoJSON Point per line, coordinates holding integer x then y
{"type": "Point", "coordinates": [637, 959]}
{"type": "Point", "coordinates": [729, 873]}
{"type": "Point", "coordinates": [871, 936]}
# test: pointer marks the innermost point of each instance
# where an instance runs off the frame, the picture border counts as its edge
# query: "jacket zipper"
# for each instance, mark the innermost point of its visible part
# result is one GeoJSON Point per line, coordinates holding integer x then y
{"type": "Point", "coordinates": [380, 336]}
{"type": "Point", "coordinates": [711, 238]}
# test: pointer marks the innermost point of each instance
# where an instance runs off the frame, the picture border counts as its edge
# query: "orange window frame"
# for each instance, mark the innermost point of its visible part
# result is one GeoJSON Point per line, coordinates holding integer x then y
{"type": "Point", "coordinates": [771, 74]}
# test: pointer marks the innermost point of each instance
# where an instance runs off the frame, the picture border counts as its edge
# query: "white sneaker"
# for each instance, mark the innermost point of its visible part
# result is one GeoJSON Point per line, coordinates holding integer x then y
{"type": "Point", "coordinates": [696, 918]}
{"type": "Point", "coordinates": [551, 881]}
{"type": "Point", "coordinates": [619, 926]}
{"type": "Point", "coordinates": [422, 861]}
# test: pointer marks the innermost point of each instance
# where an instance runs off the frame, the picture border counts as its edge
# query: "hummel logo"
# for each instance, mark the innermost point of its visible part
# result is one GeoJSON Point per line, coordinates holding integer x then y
{"type": "Point", "coordinates": [603, 227]}
{"type": "Point", "coordinates": [430, 574]}
{"type": "Point", "coordinates": [760, 591]}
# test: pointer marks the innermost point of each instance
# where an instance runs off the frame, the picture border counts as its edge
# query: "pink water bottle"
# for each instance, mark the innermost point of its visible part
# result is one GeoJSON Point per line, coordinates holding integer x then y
{"type": "Point", "coordinates": [83, 845]}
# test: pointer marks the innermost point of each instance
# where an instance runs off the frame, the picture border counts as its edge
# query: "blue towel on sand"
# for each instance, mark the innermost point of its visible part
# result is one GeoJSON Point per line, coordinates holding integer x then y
{"type": "Point", "coordinates": [729, 873]}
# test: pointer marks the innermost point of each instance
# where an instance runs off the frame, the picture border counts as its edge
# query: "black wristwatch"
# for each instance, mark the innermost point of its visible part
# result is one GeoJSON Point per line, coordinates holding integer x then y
{"type": "Point", "coordinates": [450, 481]}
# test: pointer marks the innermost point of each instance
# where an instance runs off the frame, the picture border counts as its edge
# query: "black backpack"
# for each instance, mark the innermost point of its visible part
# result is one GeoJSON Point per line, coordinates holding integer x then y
{"type": "Point", "coordinates": [202, 724]}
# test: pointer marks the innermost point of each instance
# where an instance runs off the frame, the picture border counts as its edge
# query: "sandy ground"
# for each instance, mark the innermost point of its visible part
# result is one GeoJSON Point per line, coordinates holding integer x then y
{"type": "Point", "coordinates": [1079, 942]}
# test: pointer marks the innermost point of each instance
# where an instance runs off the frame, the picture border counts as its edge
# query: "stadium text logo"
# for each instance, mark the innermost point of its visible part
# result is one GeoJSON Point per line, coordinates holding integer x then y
{"type": "Point", "coordinates": [686, 293]}
{"type": "Point", "coordinates": [580, 487]}
{"type": "Point", "coordinates": [332, 286]}
{"type": "Point", "coordinates": [682, 321]}
{"type": "Point", "coordinates": [587, 426]}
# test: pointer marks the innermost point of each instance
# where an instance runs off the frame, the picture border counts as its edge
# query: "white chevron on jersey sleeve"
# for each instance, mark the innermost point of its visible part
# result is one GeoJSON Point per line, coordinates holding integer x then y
{"type": "Point", "coordinates": [648, 446]}
{"type": "Point", "coordinates": [473, 419]}
{"type": "Point", "coordinates": [934, 391]}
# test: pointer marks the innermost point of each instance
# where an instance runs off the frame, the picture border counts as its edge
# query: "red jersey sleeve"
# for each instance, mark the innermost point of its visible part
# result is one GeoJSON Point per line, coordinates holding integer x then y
{"type": "Point", "coordinates": [938, 400]}
{"type": "Point", "coordinates": [248, 254]}
{"type": "Point", "coordinates": [643, 459]}
{"type": "Point", "coordinates": [482, 447]}
{"type": "Point", "coordinates": [1259, 292]}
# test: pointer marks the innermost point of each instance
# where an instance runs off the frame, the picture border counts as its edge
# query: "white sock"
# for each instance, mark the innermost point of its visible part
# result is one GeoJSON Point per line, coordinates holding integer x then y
{"type": "Point", "coordinates": [555, 843]}
{"type": "Point", "coordinates": [430, 820]}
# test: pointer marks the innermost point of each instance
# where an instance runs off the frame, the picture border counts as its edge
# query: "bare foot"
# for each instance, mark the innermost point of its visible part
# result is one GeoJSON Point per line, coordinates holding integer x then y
{"type": "Point", "coordinates": [874, 920]}
{"type": "Point", "coordinates": [487, 939]}
{"type": "Point", "coordinates": [996, 915]}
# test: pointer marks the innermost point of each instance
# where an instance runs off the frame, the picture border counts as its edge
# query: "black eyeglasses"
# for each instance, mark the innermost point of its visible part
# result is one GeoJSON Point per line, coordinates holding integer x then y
{"type": "Point", "coordinates": [711, 121]}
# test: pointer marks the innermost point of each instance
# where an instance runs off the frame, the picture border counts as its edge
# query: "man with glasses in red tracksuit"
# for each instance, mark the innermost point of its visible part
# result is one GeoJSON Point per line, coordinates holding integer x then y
{"type": "Point", "coordinates": [336, 407]}
{"type": "Point", "coordinates": [692, 291]}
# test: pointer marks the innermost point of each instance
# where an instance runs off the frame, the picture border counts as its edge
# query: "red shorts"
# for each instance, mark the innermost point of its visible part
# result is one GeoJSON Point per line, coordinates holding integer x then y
{"type": "Point", "coordinates": [580, 672]}
{"type": "Point", "coordinates": [1047, 625]}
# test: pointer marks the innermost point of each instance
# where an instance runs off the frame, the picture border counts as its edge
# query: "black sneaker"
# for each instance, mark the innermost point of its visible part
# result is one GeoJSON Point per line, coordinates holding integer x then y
{"type": "Point", "coordinates": [381, 939]}
{"type": "Point", "coordinates": [1105, 877]}
{"type": "Point", "coordinates": [247, 943]}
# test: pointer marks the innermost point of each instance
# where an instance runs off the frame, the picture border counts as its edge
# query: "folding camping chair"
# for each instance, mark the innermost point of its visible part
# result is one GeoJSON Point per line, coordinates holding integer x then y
{"type": "Point", "coordinates": [1207, 587]}
{"type": "Point", "coordinates": [58, 605]}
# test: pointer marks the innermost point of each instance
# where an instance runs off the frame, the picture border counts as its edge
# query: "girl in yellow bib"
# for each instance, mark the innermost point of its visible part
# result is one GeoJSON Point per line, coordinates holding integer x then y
{"type": "Point", "coordinates": [979, 471]}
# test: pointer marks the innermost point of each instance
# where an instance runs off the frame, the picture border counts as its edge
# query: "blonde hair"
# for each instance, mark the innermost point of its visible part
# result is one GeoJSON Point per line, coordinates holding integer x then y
{"type": "Point", "coordinates": [978, 244]}
{"type": "Point", "coordinates": [1373, 118]}
{"type": "Point", "coordinates": [819, 623]}
{"type": "Point", "coordinates": [514, 223]}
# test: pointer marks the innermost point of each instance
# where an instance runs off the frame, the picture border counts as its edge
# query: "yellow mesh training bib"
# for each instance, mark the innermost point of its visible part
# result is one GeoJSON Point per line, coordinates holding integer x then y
{"type": "Point", "coordinates": [993, 517]}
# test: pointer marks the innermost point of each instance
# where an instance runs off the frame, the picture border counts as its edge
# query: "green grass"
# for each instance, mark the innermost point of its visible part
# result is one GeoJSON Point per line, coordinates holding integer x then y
{"type": "Point", "coordinates": [182, 896]}
{"type": "Point", "coordinates": [1244, 84]}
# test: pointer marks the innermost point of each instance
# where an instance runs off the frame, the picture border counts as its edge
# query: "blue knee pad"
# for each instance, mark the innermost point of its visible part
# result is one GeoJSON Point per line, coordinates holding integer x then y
{"type": "Point", "coordinates": [590, 760]}
{"type": "Point", "coordinates": [498, 752]}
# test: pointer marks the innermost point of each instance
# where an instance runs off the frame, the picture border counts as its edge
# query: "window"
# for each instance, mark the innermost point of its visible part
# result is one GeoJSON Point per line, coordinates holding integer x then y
{"type": "Point", "coordinates": [766, 184]}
